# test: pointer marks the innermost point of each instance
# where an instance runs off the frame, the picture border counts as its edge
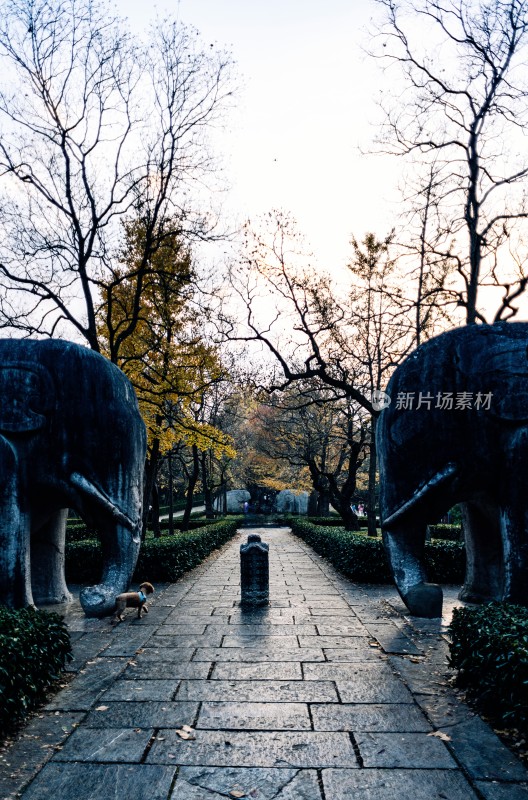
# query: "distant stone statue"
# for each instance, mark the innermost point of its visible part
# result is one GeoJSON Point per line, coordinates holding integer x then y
{"type": "Point", "coordinates": [71, 436]}
{"type": "Point", "coordinates": [456, 431]}
{"type": "Point", "coordinates": [254, 572]}
{"type": "Point", "coordinates": [290, 502]}
{"type": "Point", "coordinates": [235, 500]}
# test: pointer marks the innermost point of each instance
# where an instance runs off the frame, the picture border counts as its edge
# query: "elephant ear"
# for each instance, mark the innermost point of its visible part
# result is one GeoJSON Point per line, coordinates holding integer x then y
{"type": "Point", "coordinates": [26, 395]}
{"type": "Point", "coordinates": [502, 370]}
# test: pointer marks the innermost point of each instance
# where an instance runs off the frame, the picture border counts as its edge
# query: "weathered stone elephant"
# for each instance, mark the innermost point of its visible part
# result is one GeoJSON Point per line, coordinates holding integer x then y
{"type": "Point", "coordinates": [71, 436]}
{"type": "Point", "coordinates": [456, 431]}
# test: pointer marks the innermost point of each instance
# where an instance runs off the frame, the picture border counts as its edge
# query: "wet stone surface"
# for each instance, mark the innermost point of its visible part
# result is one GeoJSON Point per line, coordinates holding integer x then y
{"type": "Point", "coordinates": [331, 691]}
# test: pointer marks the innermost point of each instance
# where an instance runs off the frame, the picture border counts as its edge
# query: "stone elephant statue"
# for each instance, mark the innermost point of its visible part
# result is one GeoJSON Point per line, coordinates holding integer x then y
{"type": "Point", "coordinates": [456, 431]}
{"type": "Point", "coordinates": [71, 437]}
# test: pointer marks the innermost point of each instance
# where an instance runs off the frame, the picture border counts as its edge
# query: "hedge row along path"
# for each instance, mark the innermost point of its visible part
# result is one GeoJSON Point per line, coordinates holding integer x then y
{"type": "Point", "coordinates": [330, 693]}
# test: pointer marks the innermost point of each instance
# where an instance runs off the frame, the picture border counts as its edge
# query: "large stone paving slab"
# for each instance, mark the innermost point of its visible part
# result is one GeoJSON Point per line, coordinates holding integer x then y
{"type": "Point", "coordinates": [254, 716]}
{"type": "Point", "coordinates": [162, 670]}
{"type": "Point", "coordinates": [369, 717]}
{"type": "Point", "coordinates": [141, 690]}
{"type": "Point", "coordinates": [147, 714]}
{"type": "Point", "coordinates": [259, 691]}
{"type": "Point", "coordinates": [34, 746]}
{"type": "Point", "coordinates": [111, 745]}
{"type": "Point", "coordinates": [493, 790]}
{"type": "Point", "coordinates": [483, 754]}
{"type": "Point", "coordinates": [410, 750]}
{"type": "Point", "coordinates": [232, 748]}
{"type": "Point", "coordinates": [88, 685]}
{"type": "Point", "coordinates": [367, 689]}
{"type": "Point", "coordinates": [271, 654]}
{"type": "Point", "coordinates": [252, 641]}
{"type": "Point", "coordinates": [393, 784]}
{"type": "Point", "coordinates": [101, 782]}
{"type": "Point", "coordinates": [216, 783]}
{"type": "Point", "coordinates": [283, 670]}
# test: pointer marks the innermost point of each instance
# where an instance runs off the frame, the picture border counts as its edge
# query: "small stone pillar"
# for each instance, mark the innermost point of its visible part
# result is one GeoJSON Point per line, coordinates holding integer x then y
{"type": "Point", "coordinates": [254, 572]}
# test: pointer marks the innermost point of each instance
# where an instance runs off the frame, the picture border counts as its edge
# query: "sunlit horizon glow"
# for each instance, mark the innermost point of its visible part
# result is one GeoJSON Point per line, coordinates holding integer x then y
{"type": "Point", "coordinates": [301, 135]}
{"type": "Point", "coordinates": [308, 94]}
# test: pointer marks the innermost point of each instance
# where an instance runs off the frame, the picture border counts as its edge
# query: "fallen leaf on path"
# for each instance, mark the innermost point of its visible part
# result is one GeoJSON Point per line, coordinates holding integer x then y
{"type": "Point", "coordinates": [185, 735]}
{"type": "Point", "coordinates": [439, 735]}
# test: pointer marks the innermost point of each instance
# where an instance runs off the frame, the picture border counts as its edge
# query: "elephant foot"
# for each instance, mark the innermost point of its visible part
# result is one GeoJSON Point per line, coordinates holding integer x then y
{"type": "Point", "coordinates": [424, 600]}
{"type": "Point", "coordinates": [98, 601]}
{"type": "Point", "coordinates": [468, 595]}
{"type": "Point", "coordinates": [54, 599]}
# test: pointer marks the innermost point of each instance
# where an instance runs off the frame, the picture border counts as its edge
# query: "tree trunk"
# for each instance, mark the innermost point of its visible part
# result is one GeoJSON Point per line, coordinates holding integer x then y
{"type": "Point", "coordinates": [171, 494]}
{"type": "Point", "coordinates": [193, 478]}
{"type": "Point", "coordinates": [150, 478]}
{"type": "Point", "coordinates": [371, 510]}
{"type": "Point", "coordinates": [155, 515]}
{"type": "Point", "coordinates": [323, 505]}
{"type": "Point", "coordinates": [349, 518]}
{"type": "Point", "coordinates": [207, 492]}
{"type": "Point", "coordinates": [313, 504]}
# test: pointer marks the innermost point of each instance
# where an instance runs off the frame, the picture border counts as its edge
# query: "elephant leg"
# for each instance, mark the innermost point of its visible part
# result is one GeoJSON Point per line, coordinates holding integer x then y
{"type": "Point", "coordinates": [404, 543]}
{"type": "Point", "coordinates": [514, 522]}
{"type": "Point", "coordinates": [47, 560]}
{"type": "Point", "coordinates": [484, 553]}
{"type": "Point", "coordinates": [120, 548]}
{"type": "Point", "coordinates": [15, 566]}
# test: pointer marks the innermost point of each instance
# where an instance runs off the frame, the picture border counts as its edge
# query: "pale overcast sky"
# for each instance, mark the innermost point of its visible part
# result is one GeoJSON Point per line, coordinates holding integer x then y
{"type": "Point", "coordinates": [308, 96]}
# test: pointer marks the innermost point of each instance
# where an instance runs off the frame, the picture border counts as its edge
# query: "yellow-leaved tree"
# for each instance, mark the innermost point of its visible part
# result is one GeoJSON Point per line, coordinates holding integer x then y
{"type": "Point", "coordinates": [152, 332]}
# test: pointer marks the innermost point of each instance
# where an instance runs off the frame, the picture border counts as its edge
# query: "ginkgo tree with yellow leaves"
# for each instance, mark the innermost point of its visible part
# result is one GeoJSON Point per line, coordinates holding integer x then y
{"type": "Point", "coordinates": [148, 326]}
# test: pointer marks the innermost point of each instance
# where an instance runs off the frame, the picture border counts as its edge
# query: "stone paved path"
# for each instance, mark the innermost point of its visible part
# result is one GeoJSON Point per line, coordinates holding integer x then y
{"type": "Point", "coordinates": [330, 693]}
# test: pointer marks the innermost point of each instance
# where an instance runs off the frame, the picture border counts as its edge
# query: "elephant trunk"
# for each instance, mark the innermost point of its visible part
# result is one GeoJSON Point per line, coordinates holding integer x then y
{"type": "Point", "coordinates": [404, 547]}
{"type": "Point", "coordinates": [120, 553]}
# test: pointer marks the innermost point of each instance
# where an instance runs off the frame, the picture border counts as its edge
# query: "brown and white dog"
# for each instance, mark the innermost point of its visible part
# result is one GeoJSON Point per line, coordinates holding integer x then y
{"type": "Point", "coordinates": [133, 600]}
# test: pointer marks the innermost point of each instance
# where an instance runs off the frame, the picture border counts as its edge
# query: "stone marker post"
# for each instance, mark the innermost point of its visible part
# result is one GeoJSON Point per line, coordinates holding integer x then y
{"type": "Point", "coordinates": [254, 572]}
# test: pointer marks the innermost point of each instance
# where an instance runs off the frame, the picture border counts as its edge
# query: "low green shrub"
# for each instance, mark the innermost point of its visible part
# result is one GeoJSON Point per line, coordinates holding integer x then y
{"type": "Point", "coordinates": [167, 558]}
{"type": "Point", "coordinates": [193, 524]}
{"type": "Point", "coordinates": [331, 522]}
{"type": "Point", "coordinates": [34, 648]}
{"type": "Point", "coordinates": [84, 561]}
{"type": "Point", "coordinates": [489, 648]}
{"type": "Point", "coordinates": [79, 531]}
{"type": "Point", "coordinates": [163, 559]}
{"type": "Point", "coordinates": [363, 558]}
{"type": "Point", "coordinates": [452, 533]}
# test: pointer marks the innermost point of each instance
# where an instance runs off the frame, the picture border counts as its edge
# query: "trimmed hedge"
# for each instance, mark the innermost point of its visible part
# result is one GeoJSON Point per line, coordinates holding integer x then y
{"type": "Point", "coordinates": [489, 648]}
{"type": "Point", "coordinates": [452, 533]}
{"type": "Point", "coordinates": [362, 558]}
{"type": "Point", "coordinates": [168, 558]}
{"type": "Point", "coordinates": [163, 559]}
{"type": "Point", "coordinates": [34, 648]}
{"type": "Point", "coordinates": [332, 522]}
{"type": "Point", "coordinates": [78, 531]}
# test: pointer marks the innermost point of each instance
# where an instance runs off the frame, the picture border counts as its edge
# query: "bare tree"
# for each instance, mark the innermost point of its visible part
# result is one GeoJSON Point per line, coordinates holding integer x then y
{"type": "Point", "coordinates": [95, 127]}
{"type": "Point", "coordinates": [323, 435]}
{"type": "Point", "coordinates": [463, 108]}
{"type": "Point", "coordinates": [346, 338]}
